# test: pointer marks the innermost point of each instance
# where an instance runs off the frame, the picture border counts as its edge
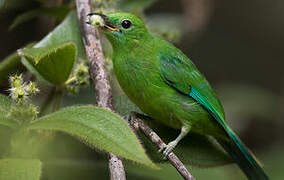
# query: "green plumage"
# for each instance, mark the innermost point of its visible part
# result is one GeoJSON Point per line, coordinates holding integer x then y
{"type": "Point", "coordinates": [166, 85]}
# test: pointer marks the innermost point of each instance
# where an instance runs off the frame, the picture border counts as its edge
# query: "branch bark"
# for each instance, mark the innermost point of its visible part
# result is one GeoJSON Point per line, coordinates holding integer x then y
{"type": "Point", "coordinates": [99, 75]}
{"type": "Point", "coordinates": [138, 124]}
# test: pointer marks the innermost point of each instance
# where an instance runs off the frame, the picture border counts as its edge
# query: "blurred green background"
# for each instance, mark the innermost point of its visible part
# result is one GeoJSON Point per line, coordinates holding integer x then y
{"type": "Point", "coordinates": [238, 45]}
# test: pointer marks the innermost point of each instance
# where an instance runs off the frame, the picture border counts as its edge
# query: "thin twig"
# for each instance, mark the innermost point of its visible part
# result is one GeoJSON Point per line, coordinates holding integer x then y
{"type": "Point", "coordinates": [138, 124]}
{"type": "Point", "coordinates": [99, 75]}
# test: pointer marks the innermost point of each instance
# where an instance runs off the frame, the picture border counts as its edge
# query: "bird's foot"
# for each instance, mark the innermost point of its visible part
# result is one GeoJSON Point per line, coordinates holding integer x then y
{"type": "Point", "coordinates": [167, 149]}
{"type": "Point", "coordinates": [130, 118]}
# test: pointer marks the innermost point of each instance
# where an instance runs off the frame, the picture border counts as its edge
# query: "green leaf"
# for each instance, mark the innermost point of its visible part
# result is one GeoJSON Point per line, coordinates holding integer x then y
{"type": "Point", "coordinates": [68, 30]}
{"type": "Point", "coordinates": [10, 65]}
{"type": "Point", "coordinates": [59, 39]}
{"type": "Point", "coordinates": [53, 63]}
{"type": "Point", "coordinates": [57, 12]}
{"type": "Point", "coordinates": [5, 105]}
{"type": "Point", "coordinates": [20, 169]}
{"type": "Point", "coordinates": [97, 127]}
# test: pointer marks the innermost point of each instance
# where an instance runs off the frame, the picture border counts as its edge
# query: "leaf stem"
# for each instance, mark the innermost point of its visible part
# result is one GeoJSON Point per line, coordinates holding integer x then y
{"type": "Point", "coordinates": [57, 98]}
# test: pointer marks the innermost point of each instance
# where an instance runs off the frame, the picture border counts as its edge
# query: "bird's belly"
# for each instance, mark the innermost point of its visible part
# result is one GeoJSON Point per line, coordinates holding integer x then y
{"type": "Point", "coordinates": [164, 104]}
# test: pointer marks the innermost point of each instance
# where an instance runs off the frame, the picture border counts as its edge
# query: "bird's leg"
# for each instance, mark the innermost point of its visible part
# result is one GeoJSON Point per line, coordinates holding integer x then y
{"type": "Point", "coordinates": [169, 147]}
{"type": "Point", "coordinates": [134, 114]}
{"type": "Point", "coordinates": [131, 117]}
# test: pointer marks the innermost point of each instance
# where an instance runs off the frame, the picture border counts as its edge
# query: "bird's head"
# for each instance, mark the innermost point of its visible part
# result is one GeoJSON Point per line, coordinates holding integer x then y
{"type": "Point", "coordinates": [120, 28]}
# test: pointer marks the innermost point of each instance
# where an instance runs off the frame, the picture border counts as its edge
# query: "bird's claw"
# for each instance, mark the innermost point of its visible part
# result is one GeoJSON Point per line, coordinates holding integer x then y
{"type": "Point", "coordinates": [167, 149]}
{"type": "Point", "coordinates": [130, 118]}
{"type": "Point", "coordinates": [162, 148]}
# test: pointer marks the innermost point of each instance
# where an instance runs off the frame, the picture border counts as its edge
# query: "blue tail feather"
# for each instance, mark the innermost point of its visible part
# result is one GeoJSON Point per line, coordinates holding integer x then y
{"type": "Point", "coordinates": [235, 147]}
{"type": "Point", "coordinates": [243, 157]}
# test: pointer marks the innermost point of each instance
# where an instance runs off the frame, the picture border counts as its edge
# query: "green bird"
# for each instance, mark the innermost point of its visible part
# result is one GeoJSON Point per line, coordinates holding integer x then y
{"type": "Point", "coordinates": [165, 84]}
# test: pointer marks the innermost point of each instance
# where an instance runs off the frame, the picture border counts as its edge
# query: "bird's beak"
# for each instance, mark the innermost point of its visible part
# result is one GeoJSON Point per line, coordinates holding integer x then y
{"type": "Point", "coordinates": [101, 20]}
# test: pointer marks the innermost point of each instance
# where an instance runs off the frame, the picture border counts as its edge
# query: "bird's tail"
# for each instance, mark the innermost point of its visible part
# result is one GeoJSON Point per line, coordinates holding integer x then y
{"type": "Point", "coordinates": [243, 157]}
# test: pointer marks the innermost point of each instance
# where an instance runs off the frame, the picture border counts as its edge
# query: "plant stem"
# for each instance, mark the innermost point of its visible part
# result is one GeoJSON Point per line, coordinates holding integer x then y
{"type": "Point", "coordinates": [70, 80]}
{"type": "Point", "coordinates": [99, 75]}
{"type": "Point", "coordinates": [57, 98]}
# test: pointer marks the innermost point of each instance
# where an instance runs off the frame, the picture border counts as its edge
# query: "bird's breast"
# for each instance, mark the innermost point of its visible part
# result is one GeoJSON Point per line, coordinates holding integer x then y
{"type": "Point", "coordinates": [139, 79]}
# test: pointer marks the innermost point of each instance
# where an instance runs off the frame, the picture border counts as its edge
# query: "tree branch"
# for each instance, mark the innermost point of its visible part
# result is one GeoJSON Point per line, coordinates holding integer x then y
{"type": "Point", "coordinates": [138, 124]}
{"type": "Point", "coordinates": [99, 75]}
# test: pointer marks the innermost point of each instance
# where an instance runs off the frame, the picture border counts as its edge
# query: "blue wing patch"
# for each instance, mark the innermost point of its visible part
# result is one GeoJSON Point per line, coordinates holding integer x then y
{"type": "Point", "coordinates": [204, 102]}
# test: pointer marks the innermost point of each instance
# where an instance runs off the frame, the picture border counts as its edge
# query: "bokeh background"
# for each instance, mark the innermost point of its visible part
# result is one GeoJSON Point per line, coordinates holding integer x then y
{"type": "Point", "coordinates": [238, 45]}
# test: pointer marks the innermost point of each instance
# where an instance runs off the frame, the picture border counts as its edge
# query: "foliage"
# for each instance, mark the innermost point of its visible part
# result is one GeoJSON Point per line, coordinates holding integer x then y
{"type": "Point", "coordinates": [97, 128]}
{"type": "Point", "coordinates": [5, 106]}
{"type": "Point", "coordinates": [20, 169]}
{"type": "Point", "coordinates": [58, 13]}
{"type": "Point", "coordinates": [46, 60]}
{"type": "Point", "coordinates": [59, 60]}
{"type": "Point", "coordinates": [10, 65]}
{"type": "Point", "coordinates": [67, 30]}
{"type": "Point", "coordinates": [93, 125]}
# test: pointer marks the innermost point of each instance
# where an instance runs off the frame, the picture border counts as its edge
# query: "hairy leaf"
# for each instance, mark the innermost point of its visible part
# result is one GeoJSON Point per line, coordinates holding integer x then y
{"type": "Point", "coordinates": [11, 64]}
{"type": "Point", "coordinates": [65, 33]}
{"type": "Point", "coordinates": [52, 63]}
{"type": "Point", "coordinates": [20, 169]}
{"type": "Point", "coordinates": [57, 12]}
{"type": "Point", "coordinates": [68, 30]}
{"type": "Point", "coordinates": [97, 127]}
{"type": "Point", "coordinates": [5, 104]}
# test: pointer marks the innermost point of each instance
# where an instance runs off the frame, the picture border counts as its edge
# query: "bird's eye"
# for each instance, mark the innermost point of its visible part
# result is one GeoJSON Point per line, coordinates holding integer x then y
{"type": "Point", "coordinates": [126, 24]}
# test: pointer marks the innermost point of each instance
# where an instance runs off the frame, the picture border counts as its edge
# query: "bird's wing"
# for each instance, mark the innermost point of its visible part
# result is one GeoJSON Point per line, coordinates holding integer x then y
{"type": "Point", "coordinates": [182, 75]}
